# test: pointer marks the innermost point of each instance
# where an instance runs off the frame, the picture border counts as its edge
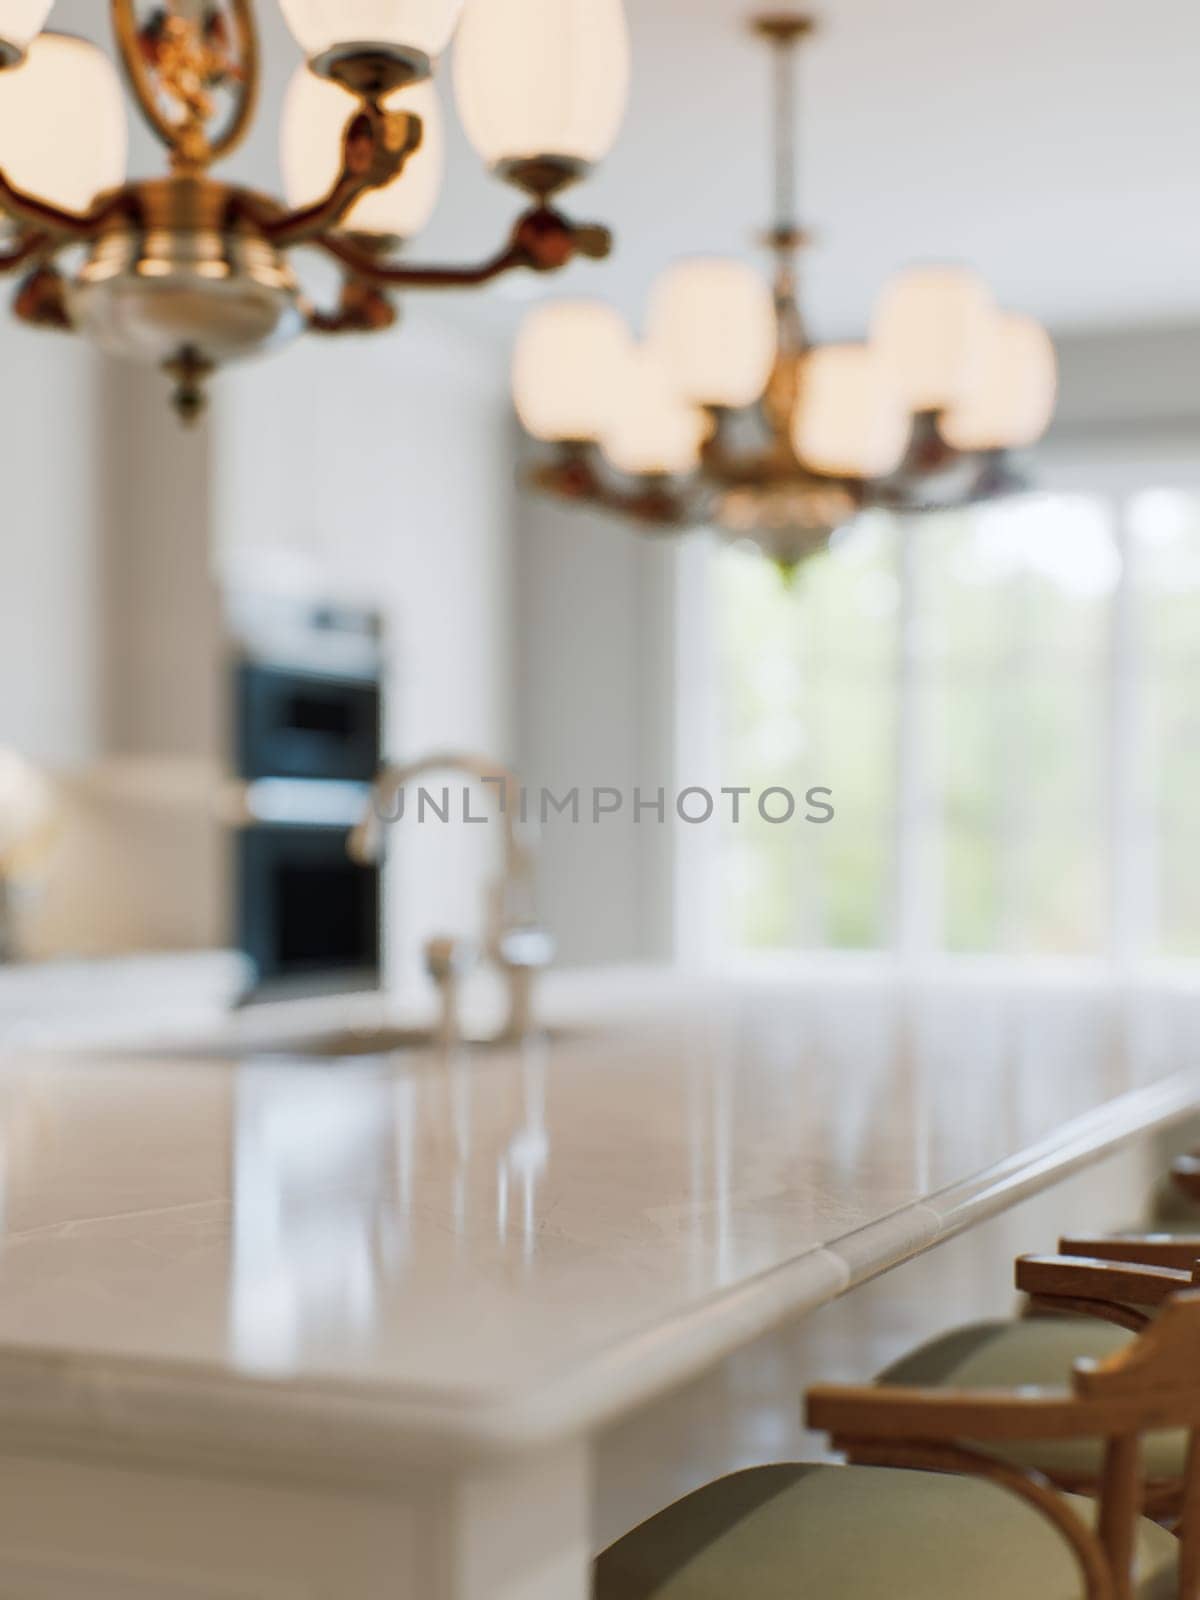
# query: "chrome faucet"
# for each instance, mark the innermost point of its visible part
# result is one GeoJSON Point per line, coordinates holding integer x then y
{"type": "Point", "coordinates": [514, 941]}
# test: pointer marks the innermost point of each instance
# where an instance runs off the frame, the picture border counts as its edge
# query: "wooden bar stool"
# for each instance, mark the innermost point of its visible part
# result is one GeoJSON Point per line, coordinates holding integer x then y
{"type": "Point", "coordinates": [936, 1509]}
{"type": "Point", "coordinates": [1174, 1240]}
{"type": "Point", "coordinates": [1098, 1307]}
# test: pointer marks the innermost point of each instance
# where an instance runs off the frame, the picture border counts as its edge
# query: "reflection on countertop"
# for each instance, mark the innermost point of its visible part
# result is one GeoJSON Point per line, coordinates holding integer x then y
{"type": "Point", "coordinates": [460, 1223]}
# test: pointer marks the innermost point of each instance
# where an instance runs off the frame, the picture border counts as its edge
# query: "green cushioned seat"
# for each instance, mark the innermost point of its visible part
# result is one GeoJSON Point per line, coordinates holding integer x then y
{"type": "Point", "coordinates": [1038, 1353]}
{"type": "Point", "coordinates": [1175, 1215]}
{"type": "Point", "coordinates": [1173, 1211]}
{"type": "Point", "coordinates": [860, 1533]}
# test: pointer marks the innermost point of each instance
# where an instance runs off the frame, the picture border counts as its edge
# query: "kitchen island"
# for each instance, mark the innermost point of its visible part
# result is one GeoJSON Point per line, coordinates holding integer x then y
{"type": "Point", "coordinates": [277, 1325]}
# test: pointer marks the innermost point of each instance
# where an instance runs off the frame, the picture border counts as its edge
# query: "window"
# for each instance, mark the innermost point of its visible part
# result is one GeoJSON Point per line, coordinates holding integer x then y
{"type": "Point", "coordinates": [808, 697]}
{"type": "Point", "coordinates": [1002, 700]}
{"type": "Point", "coordinates": [1164, 528]}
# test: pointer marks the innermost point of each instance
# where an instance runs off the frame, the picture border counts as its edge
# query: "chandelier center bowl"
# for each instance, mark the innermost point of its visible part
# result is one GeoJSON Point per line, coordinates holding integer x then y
{"type": "Point", "coordinates": [183, 277]}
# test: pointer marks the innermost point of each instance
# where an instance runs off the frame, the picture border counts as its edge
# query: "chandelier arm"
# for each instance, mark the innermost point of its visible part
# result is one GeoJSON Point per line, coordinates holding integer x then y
{"type": "Point", "coordinates": [43, 217]}
{"type": "Point", "coordinates": [410, 277]}
{"type": "Point", "coordinates": [542, 241]}
{"type": "Point", "coordinates": [300, 227]}
{"type": "Point", "coordinates": [656, 509]}
{"type": "Point", "coordinates": [27, 247]}
{"type": "Point", "coordinates": [572, 475]}
{"type": "Point", "coordinates": [362, 308]}
{"type": "Point", "coordinates": [185, 138]}
{"type": "Point", "coordinates": [41, 300]}
{"type": "Point", "coordinates": [730, 469]}
{"type": "Point", "coordinates": [376, 148]}
{"type": "Point", "coordinates": [995, 479]}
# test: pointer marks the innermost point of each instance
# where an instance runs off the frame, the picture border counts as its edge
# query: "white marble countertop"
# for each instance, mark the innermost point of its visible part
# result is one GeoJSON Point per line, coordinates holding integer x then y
{"type": "Point", "coordinates": [418, 1255]}
{"type": "Point", "coordinates": [46, 1004]}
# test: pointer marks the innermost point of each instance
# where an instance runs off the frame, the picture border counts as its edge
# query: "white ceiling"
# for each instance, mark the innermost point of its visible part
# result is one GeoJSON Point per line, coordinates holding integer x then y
{"type": "Point", "coordinates": [1054, 145]}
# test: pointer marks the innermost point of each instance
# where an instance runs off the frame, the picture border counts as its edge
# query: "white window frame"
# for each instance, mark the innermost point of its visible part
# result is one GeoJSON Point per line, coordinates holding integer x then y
{"type": "Point", "coordinates": [1093, 468]}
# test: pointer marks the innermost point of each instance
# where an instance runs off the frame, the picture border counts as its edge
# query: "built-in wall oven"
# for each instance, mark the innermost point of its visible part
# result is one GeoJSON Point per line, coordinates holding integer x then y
{"type": "Point", "coordinates": [308, 916]}
{"type": "Point", "coordinates": [308, 718]}
{"type": "Point", "coordinates": [294, 723]}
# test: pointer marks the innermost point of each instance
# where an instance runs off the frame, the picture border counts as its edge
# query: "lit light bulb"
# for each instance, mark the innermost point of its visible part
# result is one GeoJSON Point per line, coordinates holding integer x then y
{"type": "Point", "coordinates": [930, 326]}
{"type": "Point", "coordinates": [20, 23]}
{"type": "Point", "coordinates": [1012, 404]}
{"type": "Point", "coordinates": [850, 421]}
{"type": "Point", "coordinates": [570, 369]}
{"type": "Point", "coordinates": [315, 114]}
{"type": "Point", "coordinates": [713, 322]}
{"type": "Point", "coordinates": [422, 25]}
{"type": "Point", "coordinates": [538, 78]}
{"type": "Point", "coordinates": [63, 130]}
{"type": "Point", "coordinates": [655, 431]}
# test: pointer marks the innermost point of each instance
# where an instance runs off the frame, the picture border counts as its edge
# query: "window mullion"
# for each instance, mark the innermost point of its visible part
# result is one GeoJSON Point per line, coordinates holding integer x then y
{"type": "Point", "coordinates": [919, 888]}
{"type": "Point", "coordinates": [1130, 836]}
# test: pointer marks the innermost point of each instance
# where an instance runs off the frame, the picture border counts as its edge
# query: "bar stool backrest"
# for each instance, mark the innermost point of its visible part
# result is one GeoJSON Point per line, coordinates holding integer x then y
{"type": "Point", "coordinates": [1152, 1385]}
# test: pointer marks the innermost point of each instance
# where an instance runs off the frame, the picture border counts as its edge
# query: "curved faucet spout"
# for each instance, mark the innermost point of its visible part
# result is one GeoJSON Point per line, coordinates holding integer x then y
{"type": "Point", "coordinates": [367, 840]}
{"type": "Point", "coordinates": [515, 942]}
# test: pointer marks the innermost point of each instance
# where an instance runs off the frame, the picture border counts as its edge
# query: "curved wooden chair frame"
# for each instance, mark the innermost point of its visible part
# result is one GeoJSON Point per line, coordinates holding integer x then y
{"type": "Point", "coordinates": [1151, 1385]}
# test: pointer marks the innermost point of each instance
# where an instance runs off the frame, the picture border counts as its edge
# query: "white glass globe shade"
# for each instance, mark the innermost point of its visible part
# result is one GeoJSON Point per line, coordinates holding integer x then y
{"type": "Point", "coordinates": [1012, 405]}
{"type": "Point", "coordinates": [570, 369]}
{"type": "Point", "coordinates": [713, 323]}
{"type": "Point", "coordinates": [930, 326]}
{"type": "Point", "coordinates": [850, 421]}
{"type": "Point", "coordinates": [20, 22]}
{"type": "Point", "coordinates": [542, 77]}
{"type": "Point", "coordinates": [315, 114]}
{"type": "Point", "coordinates": [320, 25]}
{"type": "Point", "coordinates": [655, 431]}
{"type": "Point", "coordinates": [63, 131]}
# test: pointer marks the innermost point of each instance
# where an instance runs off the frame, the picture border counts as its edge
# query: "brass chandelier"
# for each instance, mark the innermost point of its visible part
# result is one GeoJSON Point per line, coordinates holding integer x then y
{"type": "Point", "coordinates": [727, 416]}
{"type": "Point", "coordinates": [188, 272]}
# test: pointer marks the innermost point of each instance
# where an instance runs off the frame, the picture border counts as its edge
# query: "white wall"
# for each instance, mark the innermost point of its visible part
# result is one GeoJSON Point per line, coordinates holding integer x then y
{"type": "Point", "coordinates": [139, 863]}
{"type": "Point", "coordinates": [51, 530]}
{"type": "Point", "coordinates": [50, 534]}
{"type": "Point", "coordinates": [596, 697]}
{"type": "Point", "coordinates": [1136, 390]}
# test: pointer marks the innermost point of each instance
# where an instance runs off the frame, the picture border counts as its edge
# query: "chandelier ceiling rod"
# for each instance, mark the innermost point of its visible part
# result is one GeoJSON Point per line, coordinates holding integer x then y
{"type": "Point", "coordinates": [785, 32]}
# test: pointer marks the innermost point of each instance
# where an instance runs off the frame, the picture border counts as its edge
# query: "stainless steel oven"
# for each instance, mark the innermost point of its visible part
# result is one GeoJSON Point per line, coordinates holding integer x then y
{"type": "Point", "coordinates": [297, 724]}
{"type": "Point", "coordinates": [308, 915]}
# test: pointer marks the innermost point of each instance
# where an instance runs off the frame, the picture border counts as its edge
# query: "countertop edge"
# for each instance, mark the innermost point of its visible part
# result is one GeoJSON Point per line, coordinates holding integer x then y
{"type": "Point", "coordinates": [203, 1419]}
